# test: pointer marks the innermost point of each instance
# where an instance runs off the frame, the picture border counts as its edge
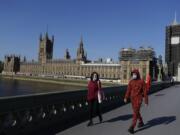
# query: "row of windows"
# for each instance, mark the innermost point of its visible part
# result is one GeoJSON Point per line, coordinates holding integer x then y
{"type": "Point", "coordinates": [100, 68]}
{"type": "Point", "coordinates": [29, 68]}
{"type": "Point", "coordinates": [72, 70]}
{"type": "Point", "coordinates": [87, 74]}
{"type": "Point", "coordinates": [103, 75]}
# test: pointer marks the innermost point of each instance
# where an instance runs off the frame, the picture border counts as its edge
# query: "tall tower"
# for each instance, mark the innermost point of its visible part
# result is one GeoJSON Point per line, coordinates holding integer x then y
{"type": "Point", "coordinates": [81, 55]}
{"type": "Point", "coordinates": [45, 48]}
{"type": "Point", "coordinates": [11, 64]}
{"type": "Point", "coordinates": [172, 47]}
{"type": "Point", "coordinates": [67, 55]}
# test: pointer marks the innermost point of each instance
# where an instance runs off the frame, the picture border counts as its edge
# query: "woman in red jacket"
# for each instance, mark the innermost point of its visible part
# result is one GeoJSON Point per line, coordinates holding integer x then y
{"type": "Point", "coordinates": [93, 86]}
{"type": "Point", "coordinates": [136, 91]}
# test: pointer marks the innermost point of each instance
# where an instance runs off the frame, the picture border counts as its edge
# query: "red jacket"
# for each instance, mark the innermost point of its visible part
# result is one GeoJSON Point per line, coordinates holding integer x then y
{"type": "Point", "coordinates": [137, 90]}
{"type": "Point", "coordinates": [93, 87]}
{"type": "Point", "coordinates": [148, 82]}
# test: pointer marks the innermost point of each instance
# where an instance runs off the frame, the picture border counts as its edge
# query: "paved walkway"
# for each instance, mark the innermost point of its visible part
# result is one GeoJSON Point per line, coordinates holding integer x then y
{"type": "Point", "coordinates": [161, 117]}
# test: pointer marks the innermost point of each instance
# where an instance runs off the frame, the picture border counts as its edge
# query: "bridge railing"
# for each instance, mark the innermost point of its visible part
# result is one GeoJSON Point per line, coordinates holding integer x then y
{"type": "Point", "coordinates": [55, 111]}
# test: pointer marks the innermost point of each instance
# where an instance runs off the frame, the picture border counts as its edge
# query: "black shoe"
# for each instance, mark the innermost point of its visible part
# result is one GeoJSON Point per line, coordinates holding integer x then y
{"type": "Point", "coordinates": [90, 123]}
{"type": "Point", "coordinates": [131, 130]}
{"type": "Point", "coordinates": [141, 124]}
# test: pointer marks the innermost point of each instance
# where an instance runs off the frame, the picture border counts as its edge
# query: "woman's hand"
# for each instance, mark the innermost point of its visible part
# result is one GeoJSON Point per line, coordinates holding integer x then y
{"type": "Point", "coordinates": [125, 100]}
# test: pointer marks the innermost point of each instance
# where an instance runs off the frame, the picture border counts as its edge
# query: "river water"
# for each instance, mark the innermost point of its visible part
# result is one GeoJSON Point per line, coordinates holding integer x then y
{"type": "Point", "coordinates": [10, 87]}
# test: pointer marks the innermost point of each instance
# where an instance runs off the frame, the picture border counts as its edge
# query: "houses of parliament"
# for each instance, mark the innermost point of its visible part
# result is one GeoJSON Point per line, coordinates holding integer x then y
{"type": "Point", "coordinates": [80, 67]}
{"type": "Point", "coordinates": [67, 67]}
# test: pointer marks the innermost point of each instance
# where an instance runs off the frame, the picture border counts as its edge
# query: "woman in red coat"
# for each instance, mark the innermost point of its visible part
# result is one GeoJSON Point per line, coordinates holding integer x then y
{"type": "Point", "coordinates": [93, 86]}
{"type": "Point", "coordinates": [136, 91]}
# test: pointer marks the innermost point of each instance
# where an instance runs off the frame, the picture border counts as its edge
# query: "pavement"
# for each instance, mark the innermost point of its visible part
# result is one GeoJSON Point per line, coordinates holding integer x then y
{"type": "Point", "coordinates": [161, 117]}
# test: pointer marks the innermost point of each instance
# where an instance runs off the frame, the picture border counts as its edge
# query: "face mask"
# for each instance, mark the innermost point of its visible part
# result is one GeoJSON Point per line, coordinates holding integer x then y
{"type": "Point", "coordinates": [94, 78]}
{"type": "Point", "coordinates": [134, 76]}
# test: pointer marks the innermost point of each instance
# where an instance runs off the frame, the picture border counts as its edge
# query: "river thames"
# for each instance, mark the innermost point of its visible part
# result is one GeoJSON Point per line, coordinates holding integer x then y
{"type": "Point", "coordinates": [10, 87]}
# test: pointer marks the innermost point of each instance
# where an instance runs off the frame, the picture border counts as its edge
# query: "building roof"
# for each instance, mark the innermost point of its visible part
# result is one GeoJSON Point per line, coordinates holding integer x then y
{"type": "Point", "coordinates": [140, 54]}
{"type": "Point", "coordinates": [101, 64]}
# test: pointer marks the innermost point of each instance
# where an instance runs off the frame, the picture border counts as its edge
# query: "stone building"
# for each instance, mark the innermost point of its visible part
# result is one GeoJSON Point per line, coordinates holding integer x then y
{"type": "Point", "coordinates": [45, 48]}
{"type": "Point", "coordinates": [106, 70]}
{"type": "Point", "coordinates": [142, 59]}
{"type": "Point", "coordinates": [11, 64]}
{"type": "Point", "coordinates": [172, 48]}
{"type": "Point", "coordinates": [1, 66]}
{"type": "Point", "coordinates": [80, 67]}
{"type": "Point", "coordinates": [48, 66]}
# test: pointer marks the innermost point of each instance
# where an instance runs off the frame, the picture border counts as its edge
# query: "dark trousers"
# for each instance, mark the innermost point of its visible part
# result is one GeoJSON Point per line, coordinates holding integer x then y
{"type": "Point", "coordinates": [94, 106]}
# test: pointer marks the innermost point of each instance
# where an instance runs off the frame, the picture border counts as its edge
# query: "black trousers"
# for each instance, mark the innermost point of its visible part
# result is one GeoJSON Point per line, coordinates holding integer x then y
{"type": "Point", "coordinates": [94, 106]}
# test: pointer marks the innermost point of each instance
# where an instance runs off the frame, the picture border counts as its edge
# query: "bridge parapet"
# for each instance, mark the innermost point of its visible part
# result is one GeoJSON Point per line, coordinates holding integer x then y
{"type": "Point", "coordinates": [55, 111]}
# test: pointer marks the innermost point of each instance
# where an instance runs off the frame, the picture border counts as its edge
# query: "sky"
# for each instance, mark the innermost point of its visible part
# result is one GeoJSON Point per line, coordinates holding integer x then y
{"type": "Point", "coordinates": [105, 25]}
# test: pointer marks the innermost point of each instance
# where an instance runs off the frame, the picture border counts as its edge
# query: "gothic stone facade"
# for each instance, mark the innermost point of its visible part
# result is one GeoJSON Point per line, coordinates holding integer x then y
{"type": "Point", "coordinates": [172, 48]}
{"type": "Point", "coordinates": [81, 67]}
{"type": "Point", "coordinates": [11, 64]}
{"type": "Point", "coordinates": [142, 59]}
{"type": "Point", "coordinates": [67, 66]}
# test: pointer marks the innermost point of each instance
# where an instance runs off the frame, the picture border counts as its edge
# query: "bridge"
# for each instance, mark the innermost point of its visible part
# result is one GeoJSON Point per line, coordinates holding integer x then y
{"type": "Point", "coordinates": [67, 113]}
{"type": "Point", "coordinates": [161, 117]}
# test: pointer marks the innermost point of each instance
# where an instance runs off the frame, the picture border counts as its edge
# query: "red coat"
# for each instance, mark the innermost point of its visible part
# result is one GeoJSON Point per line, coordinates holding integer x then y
{"type": "Point", "coordinates": [148, 82]}
{"type": "Point", "coordinates": [136, 91]}
{"type": "Point", "coordinates": [93, 87]}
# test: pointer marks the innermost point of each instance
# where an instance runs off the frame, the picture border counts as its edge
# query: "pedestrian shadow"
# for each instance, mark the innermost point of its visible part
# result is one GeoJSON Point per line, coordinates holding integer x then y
{"type": "Point", "coordinates": [120, 118]}
{"type": "Point", "coordinates": [158, 121]}
{"type": "Point", "coordinates": [177, 86]}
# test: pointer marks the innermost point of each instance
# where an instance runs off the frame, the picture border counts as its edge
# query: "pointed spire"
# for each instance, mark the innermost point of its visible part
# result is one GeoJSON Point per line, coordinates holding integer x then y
{"type": "Point", "coordinates": [24, 59]}
{"type": "Point", "coordinates": [175, 19]}
{"type": "Point", "coordinates": [81, 46]}
{"type": "Point", "coordinates": [81, 41]}
{"type": "Point", "coordinates": [47, 31]}
{"type": "Point", "coordinates": [47, 28]}
{"type": "Point", "coordinates": [67, 55]}
{"type": "Point", "coordinates": [40, 37]}
{"type": "Point", "coordinates": [67, 51]}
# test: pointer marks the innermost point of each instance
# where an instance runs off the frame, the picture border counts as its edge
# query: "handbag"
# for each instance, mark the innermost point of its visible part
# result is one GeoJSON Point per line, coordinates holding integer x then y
{"type": "Point", "coordinates": [101, 96]}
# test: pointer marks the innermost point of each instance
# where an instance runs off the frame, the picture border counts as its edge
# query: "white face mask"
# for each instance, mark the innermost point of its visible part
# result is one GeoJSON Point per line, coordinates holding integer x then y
{"type": "Point", "coordinates": [94, 77]}
{"type": "Point", "coordinates": [134, 76]}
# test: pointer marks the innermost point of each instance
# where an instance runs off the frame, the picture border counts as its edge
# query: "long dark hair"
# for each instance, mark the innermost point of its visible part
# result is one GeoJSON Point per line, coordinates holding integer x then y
{"type": "Point", "coordinates": [92, 74]}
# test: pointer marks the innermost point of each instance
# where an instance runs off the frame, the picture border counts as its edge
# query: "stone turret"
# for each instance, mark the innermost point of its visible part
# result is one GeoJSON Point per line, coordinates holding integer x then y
{"type": "Point", "coordinates": [67, 55]}
{"type": "Point", "coordinates": [81, 54]}
{"type": "Point", "coordinates": [45, 48]}
{"type": "Point", "coordinates": [11, 64]}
